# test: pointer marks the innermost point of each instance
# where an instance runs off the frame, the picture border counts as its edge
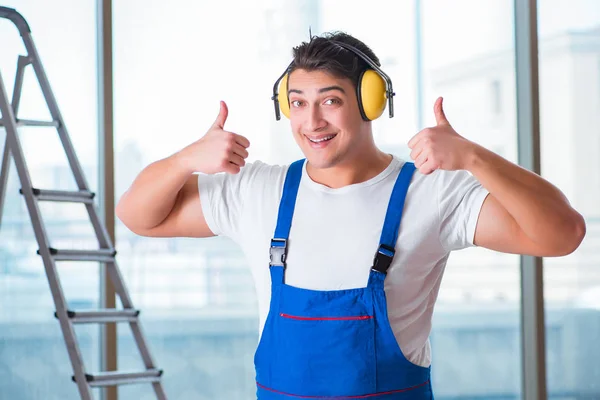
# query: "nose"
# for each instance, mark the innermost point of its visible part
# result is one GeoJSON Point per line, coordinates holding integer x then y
{"type": "Point", "coordinates": [315, 121]}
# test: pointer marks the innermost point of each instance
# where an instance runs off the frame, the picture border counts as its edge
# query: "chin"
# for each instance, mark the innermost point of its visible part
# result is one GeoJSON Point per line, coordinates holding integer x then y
{"type": "Point", "coordinates": [318, 163]}
{"type": "Point", "coordinates": [321, 162]}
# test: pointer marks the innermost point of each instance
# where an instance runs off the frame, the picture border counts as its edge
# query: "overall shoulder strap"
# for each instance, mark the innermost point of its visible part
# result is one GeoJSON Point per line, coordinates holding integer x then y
{"type": "Point", "coordinates": [286, 213]}
{"type": "Point", "coordinates": [393, 217]}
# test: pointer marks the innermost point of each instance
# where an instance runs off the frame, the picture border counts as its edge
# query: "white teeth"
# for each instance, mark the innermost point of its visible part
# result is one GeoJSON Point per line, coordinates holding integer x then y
{"type": "Point", "coordinates": [322, 139]}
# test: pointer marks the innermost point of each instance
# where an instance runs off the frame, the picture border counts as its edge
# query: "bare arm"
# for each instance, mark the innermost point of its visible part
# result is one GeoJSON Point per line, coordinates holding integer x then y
{"type": "Point", "coordinates": [164, 200]}
{"type": "Point", "coordinates": [523, 214]}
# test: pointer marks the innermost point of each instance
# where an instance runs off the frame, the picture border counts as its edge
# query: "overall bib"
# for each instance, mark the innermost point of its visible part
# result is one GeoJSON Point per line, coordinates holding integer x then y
{"type": "Point", "coordinates": [335, 344]}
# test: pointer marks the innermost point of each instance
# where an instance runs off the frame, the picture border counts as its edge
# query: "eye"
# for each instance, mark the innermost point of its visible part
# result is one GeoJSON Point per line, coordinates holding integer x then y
{"type": "Point", "coordinates": [296, 103]}
{"type": "Point", "coordinates": [332, 101]}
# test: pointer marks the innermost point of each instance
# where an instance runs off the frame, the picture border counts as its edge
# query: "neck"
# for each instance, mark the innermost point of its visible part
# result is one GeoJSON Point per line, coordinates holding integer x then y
{"type": "Point", "coordinates": [356, 169]}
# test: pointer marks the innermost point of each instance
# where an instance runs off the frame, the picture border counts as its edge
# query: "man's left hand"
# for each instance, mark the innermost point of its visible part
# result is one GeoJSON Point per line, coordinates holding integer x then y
{"type": "Point", "coordinates": [440, 147]}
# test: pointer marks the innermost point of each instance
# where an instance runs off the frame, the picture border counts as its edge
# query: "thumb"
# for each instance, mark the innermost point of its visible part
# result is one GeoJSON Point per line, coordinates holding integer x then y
{"type": "Point", "coordinates": [222, 117]}
{"type": "Point", "coordinates": [438, 110]}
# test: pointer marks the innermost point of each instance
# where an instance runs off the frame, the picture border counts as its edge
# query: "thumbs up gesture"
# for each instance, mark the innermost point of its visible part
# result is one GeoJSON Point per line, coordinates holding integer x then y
{"type": "Point", "coordinates": [218, 150]}
{"type": "Point", "coordinates": [439, 147]}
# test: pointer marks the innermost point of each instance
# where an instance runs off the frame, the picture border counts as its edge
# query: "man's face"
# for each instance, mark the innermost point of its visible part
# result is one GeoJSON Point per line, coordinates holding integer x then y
{"type": "Point", "coordinates": [325, 118]}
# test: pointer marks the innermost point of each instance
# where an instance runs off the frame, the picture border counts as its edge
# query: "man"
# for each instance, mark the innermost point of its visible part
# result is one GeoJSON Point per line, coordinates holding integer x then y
{"type": "Point", "coordinates": [335, 321]}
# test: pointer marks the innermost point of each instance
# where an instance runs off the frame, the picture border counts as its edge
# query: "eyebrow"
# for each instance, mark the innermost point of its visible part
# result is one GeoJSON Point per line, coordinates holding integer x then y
{"type": "Point", "coordinates": [322, 90]}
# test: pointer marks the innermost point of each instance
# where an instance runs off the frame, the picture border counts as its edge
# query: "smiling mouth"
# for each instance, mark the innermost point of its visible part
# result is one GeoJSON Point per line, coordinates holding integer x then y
{"type": "Point", "coordinates": [322, 138]}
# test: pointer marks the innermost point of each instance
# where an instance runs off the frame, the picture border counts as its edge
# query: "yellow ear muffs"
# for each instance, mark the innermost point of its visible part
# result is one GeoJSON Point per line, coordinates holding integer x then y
{"type": "Point", "coordinates": [282, 96]}
{"type": "Point", "coordinates": [371, 93]}
{"type": "Point", "coordinates": [374, 89]}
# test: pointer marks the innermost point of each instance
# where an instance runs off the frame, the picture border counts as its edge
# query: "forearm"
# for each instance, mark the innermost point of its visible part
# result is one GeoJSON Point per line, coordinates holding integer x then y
{"type": "Point", "coordinates": [540, 209]}
{"type": "Point", "coordinates": [153, 193]}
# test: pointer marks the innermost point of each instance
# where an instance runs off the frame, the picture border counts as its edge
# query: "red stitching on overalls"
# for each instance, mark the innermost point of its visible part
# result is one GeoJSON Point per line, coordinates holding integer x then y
{"type": "Point", "coordinates": [351, 318]}
{"type": "Point", "coordinates": [363, 396]}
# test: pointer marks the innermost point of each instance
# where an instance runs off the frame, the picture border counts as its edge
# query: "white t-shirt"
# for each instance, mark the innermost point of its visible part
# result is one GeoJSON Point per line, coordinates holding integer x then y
{"type": "Point", "coordinates": [335, 234]}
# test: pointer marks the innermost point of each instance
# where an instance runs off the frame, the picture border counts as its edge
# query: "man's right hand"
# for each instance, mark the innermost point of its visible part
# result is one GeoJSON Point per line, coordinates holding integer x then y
{"type": "Point", "coordinates": [217, 151]}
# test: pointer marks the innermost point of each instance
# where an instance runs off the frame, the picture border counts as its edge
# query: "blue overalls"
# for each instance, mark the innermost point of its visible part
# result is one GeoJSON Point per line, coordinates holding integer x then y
{"type": "Point", "coordinates": [335, 344]}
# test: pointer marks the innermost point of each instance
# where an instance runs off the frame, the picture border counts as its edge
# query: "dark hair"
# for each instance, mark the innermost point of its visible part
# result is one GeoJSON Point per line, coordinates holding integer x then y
{"type": "Point", "coordinates": [321, 53]}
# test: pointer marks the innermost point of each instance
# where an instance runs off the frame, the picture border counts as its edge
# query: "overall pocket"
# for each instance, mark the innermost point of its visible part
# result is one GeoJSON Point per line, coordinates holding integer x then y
{"type": "Point", "coordinates": [324, 355]}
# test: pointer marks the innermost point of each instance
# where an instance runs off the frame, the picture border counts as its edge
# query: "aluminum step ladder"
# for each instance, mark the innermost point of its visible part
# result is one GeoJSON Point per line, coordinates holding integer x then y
{"type": "Point", "coordinates": [105, 254]}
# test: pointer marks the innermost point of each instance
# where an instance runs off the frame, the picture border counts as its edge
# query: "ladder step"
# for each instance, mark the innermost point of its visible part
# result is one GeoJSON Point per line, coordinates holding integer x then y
{"type": "Point", "coordinates": [101, 255]}
{"type": "Point", "coordinates": [81, 196]}
{"type": "Point", "coordinates": [111, 378]}
{"type": "Point", "coordinates": [30, 122]}
{"type": "Point", "coordinates": [102, 316]}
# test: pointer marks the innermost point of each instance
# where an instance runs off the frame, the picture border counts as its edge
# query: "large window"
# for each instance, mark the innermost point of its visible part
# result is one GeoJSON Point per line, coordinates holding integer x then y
{"type": "Point", "coordinates": [173, 63]}
{"type": "Point", "coordinates": [569, 64]}
{"type": "Point", "coordinates": [33, 357]}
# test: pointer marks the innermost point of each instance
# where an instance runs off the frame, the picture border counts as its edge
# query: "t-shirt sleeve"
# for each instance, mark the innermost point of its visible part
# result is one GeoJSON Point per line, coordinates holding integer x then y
{"type": "Point", "coordinates": [222, 199]}
{"type": "Point", "coordinates": [460, 198]}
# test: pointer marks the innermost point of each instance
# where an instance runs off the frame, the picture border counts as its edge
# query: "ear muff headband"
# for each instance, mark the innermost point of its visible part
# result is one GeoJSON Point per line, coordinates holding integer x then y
{"type": "Point", "coordinates": [374, 87]}
{"type": "Point", "coordinates": [280, 97]}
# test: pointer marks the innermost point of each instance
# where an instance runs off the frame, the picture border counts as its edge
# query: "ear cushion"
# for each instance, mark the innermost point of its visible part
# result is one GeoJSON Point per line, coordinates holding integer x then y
{"type": "Point", "coordinates": [371, 94]}
{"type": "Point", "coordinates": [282, 96]}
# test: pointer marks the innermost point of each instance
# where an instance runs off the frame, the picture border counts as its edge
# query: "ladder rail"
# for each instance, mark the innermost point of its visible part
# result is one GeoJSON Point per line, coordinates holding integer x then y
{"type": "Point", "coordinates": [136, 328]}
{"type": "Point", "coordinates": [12, 15]}
{"type": "Point", "coordinates": [18, 88]}
{"type": "Point", "coordinates": [104, 240]}
{"type": "Point", "coordinates": [4, 170]}
{"type": "Point", "coordinates": [16, 100]}
{"type": "Point", "coordinates": [13, 142]}
{"type": "Point", "coordinates": [123, 293]}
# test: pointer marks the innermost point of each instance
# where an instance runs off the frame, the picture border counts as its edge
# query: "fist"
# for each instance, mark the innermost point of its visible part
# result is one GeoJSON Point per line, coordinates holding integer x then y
{"type": "Point", "coordinates": [218, 150]}
{"type": "Point", "coordinates": [439, 147]}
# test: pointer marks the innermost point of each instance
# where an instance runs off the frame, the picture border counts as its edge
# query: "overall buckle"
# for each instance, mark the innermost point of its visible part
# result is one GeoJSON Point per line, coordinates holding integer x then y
{"type": "Point", "coordinates": [278, 252]}
{"type": "Point", "coordinates": [383, 258]}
